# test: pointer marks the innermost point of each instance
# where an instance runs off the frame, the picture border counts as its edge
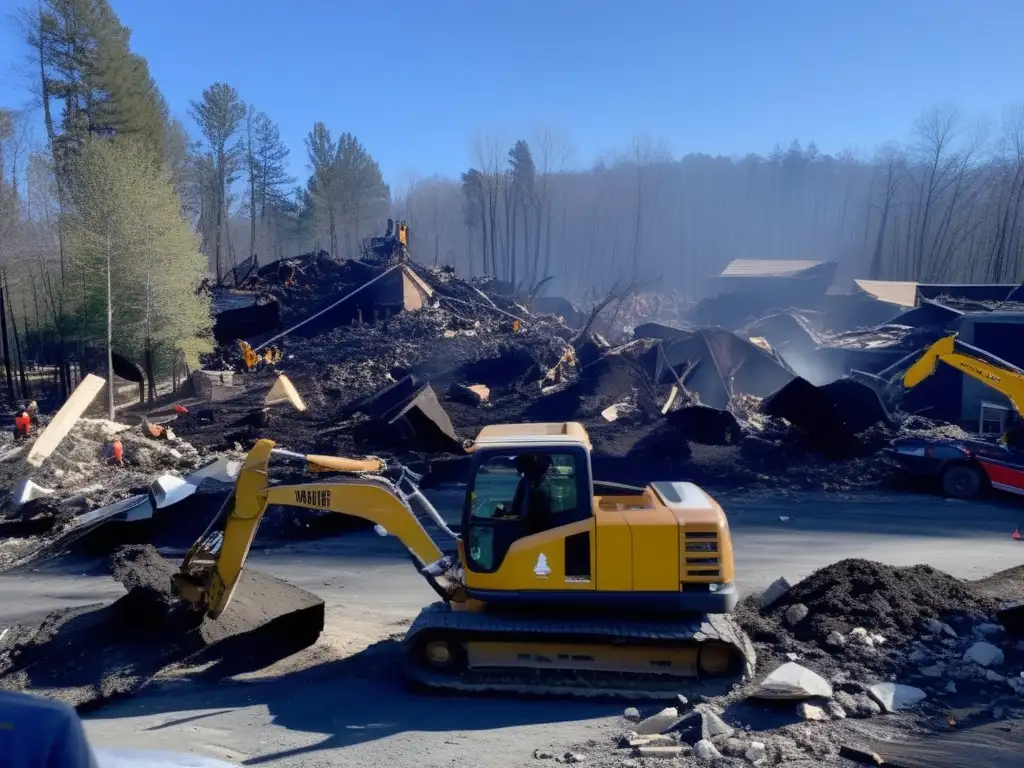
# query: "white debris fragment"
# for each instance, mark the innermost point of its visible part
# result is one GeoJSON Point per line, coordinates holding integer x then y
{"type": "Point", "coordinates": [659, 722]}
{"type": "Point", "coordinates": [894, 697]}
{"type": "Point", "coordinates": [877, 639]}
{"type": "Point", "coordinates": [984, 655]}
{"type": "Point", "coordinates": [705, 750]}
{"type": "Point", "coordinates": [993, 676]}
{"type": "Point", "coordinates": [935, 670]}
{"type": "Point", "coordinates": [775, 590]}
{"type": "Point", "coordinates": [793, 682]}
{"type": "Point", "coordinates": [810, 712]}
{"type": "Point", "coordinates": [835, 639]}
{"type": "Point", "coordinates": [632, 714]}
{"type": "Point", "coordinates": [862, 636]}
{"type": "Point", "coordinates": [950, 687]}
{"type": "Point", "coordinates": [1017, 683]}
{"type": "Point", "coordinates": [573, 757]}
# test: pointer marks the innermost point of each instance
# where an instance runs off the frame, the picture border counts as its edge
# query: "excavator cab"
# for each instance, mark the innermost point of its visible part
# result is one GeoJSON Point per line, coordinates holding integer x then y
{"type": "Point", "coordinates": [514, 494]}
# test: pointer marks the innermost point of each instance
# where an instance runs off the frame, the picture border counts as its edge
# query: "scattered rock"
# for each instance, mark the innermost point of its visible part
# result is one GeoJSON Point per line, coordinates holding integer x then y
{"type": "Point", "coordinates": [935, 670]}
{"type": "Point", "coordinates": [658, 723]}
{"type": "Point", "coordinates": [662, 751]}
{"type": "Point", "coordinates": [835, 639]}
{"type": "Point", "coordinates": [573, 757]}
{"type": "Point", "coordinates": [705, 750]}
{"type": "Point", "coordinates": [630, 763]}
{"type": "Point", "coordinates": [733, 747]}
{"type": "Point", "coordinates": [862, 636]}
{"type": "Point", "coordinates": [919, 656]}
{"type": "Point", "coordinates": [993, 676]}
{"type": "Point", "coordinates": [796, 613]}
{"type": "Point", "coordinates": [989, 629]}
{"type": "Point", "coordinates": [702, 725]}
{"type": "Point", "coordinates": [682, 700]}
{"type": "Point", "coordinates": [984, 655]}
{"type": "Point", "coordinates": [894, 697]}
{"type": "Point", "coordinates": [937, 627]}
{"type": "Point", "coordinates": [659, 740]}
{"type": "Point", "coordinates": [1017, 683]}
{"type": "Point", "coordinates": [756, 752]}
{"type": "Point", "coordinates": [543, 754]}
{"type": "Point", "coordinates": [857, 705]}
{"type": "Point", "coordinates": [775, 591]}
{"type": "Point", "coordinates": [632, 714]}
{"type": "Point", "coordinates": [835, 710]}
{"type": "Point", "coordinates": [792, 682]}
{"type": "Point", "coordinates": [810, 712]}
{"type": "Point", "coordinates": [950, 687]}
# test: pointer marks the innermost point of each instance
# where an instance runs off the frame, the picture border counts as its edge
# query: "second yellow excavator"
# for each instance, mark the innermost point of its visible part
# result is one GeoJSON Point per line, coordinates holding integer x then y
{"type": "Point", "coordinates": [556, 584]}
{"type": "Point", "coordinates": [965, 468]}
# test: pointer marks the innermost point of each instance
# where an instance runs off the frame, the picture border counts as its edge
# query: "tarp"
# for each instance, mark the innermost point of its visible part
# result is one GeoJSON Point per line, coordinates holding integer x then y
{"type": "Point", "coordinates": [717, 364]}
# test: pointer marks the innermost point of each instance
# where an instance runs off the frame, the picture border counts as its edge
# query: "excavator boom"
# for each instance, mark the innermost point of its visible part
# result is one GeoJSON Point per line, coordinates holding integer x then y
{"type": "Point", "coordinates": [1005, 378]}
{"type": "Point", "coordinates": [211, 568]}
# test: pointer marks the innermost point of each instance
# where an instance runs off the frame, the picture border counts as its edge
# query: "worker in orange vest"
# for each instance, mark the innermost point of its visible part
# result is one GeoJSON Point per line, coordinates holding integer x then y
{"type": "Point", "coordinates": [118, 452]}
{"type": "Point", "coordinates": [22, 426]}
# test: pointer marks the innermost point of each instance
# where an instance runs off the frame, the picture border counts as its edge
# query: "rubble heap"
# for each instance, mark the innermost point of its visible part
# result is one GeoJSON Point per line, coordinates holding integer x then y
{"type": "Point", "coordinates": [852, 642]}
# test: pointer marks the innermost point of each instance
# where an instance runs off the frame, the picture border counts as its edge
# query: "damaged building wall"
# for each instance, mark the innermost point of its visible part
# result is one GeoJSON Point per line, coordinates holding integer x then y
{"type": "Point", "coordinates": [1000, 334]}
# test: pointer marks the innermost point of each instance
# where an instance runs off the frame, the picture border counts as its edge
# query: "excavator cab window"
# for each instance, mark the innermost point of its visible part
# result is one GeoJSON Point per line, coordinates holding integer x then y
{"type": "Point", "coordinates": [513, 494]}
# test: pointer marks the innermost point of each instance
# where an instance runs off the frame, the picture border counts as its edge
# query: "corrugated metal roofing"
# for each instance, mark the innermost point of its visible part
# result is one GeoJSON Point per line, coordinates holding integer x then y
{"type": "Point", "coordinates": [899, 292]}
{"type": "Point", "coordinates": [767, 268]}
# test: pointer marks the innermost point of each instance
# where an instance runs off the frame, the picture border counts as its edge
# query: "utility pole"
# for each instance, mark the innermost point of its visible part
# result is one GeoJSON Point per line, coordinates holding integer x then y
{"type": "Point", "coordinates": [110, 342]}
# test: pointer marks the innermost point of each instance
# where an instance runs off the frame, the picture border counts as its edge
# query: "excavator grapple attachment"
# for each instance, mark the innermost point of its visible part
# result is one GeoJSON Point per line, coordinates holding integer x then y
{"type": "Point", "coordinates": [577, 657]}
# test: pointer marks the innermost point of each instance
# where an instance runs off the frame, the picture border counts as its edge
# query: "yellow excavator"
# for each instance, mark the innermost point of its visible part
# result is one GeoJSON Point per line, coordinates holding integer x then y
{"type": "Point", "coordinates": [550, 586]}
{"type": "Point", "coordinates": [966, 468]}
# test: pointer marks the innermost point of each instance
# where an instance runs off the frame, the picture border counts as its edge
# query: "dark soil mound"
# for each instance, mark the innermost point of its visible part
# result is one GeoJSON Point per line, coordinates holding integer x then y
{"type": "Point", "coordinates": [881, 598]}
{"type": "Point", "coordinates": [88, 655]}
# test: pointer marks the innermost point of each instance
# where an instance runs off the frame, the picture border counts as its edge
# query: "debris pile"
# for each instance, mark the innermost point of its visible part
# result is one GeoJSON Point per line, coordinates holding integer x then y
{"type": "Point", "coordinates": [88, 655]}
{"type": "Point", "coordinates": [855, 641]}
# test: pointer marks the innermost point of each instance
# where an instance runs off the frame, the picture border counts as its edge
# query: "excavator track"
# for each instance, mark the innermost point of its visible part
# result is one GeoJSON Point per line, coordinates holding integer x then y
{"type": "Point", "coordinates": [586, 657]}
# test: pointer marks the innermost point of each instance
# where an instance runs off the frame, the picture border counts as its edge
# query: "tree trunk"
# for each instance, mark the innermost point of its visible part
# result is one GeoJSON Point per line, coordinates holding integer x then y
{"type": "Point", "coordinates": [150, 373]}
{"type": "Point", "coordinates": [7, 348]}
{"type": "Point", "coordinates": [110, 343]}
{"type": "Point", "coordinates": [26, 391]}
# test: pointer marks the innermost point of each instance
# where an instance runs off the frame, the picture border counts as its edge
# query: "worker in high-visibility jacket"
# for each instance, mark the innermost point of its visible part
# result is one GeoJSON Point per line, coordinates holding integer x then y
{"type": "Point", "coordinates": [117, 452]}
{"type": "Point", "coordinates": [22, 426]}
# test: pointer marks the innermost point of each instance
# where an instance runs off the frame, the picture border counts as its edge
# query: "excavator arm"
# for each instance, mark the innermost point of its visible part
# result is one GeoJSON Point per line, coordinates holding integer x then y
{"type": "Point", "coordinates": [212, 567]}
{"type": "Point", "coordinates": [998, 374]}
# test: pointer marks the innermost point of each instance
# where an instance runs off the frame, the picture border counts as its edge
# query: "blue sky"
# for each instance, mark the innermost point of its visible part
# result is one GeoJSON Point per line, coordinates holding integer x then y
{"type": "Point", "coordinates": [414, 79]}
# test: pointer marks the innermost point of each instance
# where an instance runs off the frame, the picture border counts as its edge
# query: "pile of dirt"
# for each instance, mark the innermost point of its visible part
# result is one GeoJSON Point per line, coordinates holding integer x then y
{"type": "Point", "coordinates": [881, 598]}
{"type": "Point", "coordinates": [88, 655]}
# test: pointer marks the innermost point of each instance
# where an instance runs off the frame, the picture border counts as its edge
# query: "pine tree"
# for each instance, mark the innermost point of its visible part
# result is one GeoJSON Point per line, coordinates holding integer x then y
{"type": "Point", "coordinates": [220, 114]}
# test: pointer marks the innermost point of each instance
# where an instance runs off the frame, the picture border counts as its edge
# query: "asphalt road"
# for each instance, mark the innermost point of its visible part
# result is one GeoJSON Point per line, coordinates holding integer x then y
{"type": "Point", "coordinates": [343, 703]}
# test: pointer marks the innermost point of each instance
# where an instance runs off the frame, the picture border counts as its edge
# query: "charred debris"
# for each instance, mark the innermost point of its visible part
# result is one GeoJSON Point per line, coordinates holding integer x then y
{"type": "Point", "coordinates": [799, 389]}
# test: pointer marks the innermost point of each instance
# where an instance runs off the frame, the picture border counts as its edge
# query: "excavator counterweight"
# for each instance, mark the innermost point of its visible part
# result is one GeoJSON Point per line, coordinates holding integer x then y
{"type": "Point", "coordinates": [549, 587]}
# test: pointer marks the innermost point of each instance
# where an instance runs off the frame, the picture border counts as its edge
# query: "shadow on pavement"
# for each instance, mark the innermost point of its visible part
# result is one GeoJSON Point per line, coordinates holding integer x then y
{"type": "Point", "coordinates": [350, 701]}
